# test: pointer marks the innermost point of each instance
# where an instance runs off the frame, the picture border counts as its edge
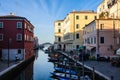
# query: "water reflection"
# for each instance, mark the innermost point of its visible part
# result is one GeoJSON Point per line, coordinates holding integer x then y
{"type": "Point", "coordinates": [39, 69]}
{"type": "Point", "coordinates": [42, 67]}
{"type": "Point", "coordinates": [26, 74]}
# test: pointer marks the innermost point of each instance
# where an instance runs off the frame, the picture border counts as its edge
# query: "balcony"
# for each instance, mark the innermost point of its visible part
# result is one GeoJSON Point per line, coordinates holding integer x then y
{"type": "Point", "coordinates": [111, 3]}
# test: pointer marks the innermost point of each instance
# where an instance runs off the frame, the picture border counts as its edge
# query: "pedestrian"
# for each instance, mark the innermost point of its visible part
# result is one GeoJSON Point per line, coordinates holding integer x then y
{"type": "Point", "coordinates": [16, 57]}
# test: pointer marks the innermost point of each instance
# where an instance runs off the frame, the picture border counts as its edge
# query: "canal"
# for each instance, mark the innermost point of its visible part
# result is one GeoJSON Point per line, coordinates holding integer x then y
{"type": "Point", "coordinates": [39, 69]}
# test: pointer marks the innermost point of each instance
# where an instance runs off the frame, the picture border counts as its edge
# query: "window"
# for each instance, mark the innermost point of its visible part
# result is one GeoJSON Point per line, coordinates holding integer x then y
{"type": "Point", "coordinates": [77, 36]}
{"type": "Point", "coordinates": [101, 40]}
{"type": "Point", "coordinates": [25, 37]}
{"type": "Point", "coordinates": [25, 26]}
{"type": "Point", "coordinates": [59, 39]}
{"type": "Point", "coordinates": [91, 40]}
{"type": "Point", "coordinates": [77, 17]}
{"type": "Point", "coordinates": [19, 25]}
{"type": "Point", "coordinates": [86, 17]}
{"type": "Point", "coordinates": [1, 24]}
{"type": "Point", "coordinates": [59, 24]}
{"type": "Point", "coordinates": [19, 51]}
{"type": "Point", "coordinates": [94, 40]}
{"type": "Point", "coordinates": [77, 26]}
{"type": "Point", "coordinates": [101, 26]}
{"type": "Point", "coordinates": [103, 6]}
{"type": "Point", "coordinates": [19, 37]}
{"type": "Point", "coordinates": [1, 37]}
{"type": "Point", "coordinates": [95, 17]}
{"type": "Point", "coordinates": [77, 46]}
{"type": "Point", "coordinates": [59, 30]}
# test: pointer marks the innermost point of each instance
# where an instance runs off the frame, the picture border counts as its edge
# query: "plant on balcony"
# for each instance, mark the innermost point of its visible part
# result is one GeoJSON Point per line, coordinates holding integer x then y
{"type": "Point", "coordinates": [104, 15]}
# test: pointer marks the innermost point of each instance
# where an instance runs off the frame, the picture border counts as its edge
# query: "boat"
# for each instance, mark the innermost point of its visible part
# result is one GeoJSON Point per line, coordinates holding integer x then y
{"type": "Point", "coordinates": [52, 59]}
{"type": "Point", "coordinates": [63, 76]}
{"type": "Point", "coordinates": [81, 78]}
{"type": "Point", "coordinates": [68, 71]}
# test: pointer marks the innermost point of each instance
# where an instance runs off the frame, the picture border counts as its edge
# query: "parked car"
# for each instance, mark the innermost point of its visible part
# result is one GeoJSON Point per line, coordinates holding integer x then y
{"type": "Point", "coordinates": [115, 60]}
{"type": "Point", "coordinates": [103, 58]}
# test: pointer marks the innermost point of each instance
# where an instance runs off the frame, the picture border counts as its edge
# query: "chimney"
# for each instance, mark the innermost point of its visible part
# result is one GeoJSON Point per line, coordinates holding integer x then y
{"type": "Point", "coordinates": [12, 14]}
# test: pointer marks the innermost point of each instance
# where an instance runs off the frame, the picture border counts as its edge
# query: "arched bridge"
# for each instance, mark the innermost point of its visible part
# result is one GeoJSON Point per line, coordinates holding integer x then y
{"type": "Point", "coordinates": [41, 46]}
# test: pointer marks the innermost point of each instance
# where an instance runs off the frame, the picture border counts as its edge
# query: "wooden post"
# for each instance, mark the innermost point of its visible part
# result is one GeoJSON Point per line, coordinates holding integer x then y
{"type": "Point", "coordinates": [112, 78]}
{"type": "Point", "coordinates": [93, 73]}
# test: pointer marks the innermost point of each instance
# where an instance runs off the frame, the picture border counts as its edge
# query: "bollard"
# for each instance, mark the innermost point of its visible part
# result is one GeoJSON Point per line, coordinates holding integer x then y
{"type": "Point", "coordinates": [112, 78]}
{"type": "Point", "coordinates": [93, 73]}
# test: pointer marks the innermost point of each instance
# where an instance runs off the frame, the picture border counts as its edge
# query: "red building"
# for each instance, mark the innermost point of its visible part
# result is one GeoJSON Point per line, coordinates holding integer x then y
{"type": "Point", "coordinates": [16, 37]}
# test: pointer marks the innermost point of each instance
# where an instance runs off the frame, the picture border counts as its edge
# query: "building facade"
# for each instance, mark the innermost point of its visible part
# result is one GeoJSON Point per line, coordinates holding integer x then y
{"type": "Point", "coordinates": [58, 33]}
{"type": "Point", "coordinates": [72, 32]}
{"type": "Point", "coordinates": [109, 9]}
{"type": "Point", "coordinates": [16, 37]}
{"type": "Point", "coordinates": [102, 36]}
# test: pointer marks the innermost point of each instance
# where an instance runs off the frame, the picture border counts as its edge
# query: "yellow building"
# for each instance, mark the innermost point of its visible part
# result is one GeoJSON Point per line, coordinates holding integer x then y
{"type": "Point", "coordinates": [58, 33]}
{"type": "Point", "coordinates": [109, 9]}
{"type": "Point", "coordinates": [72, 28]}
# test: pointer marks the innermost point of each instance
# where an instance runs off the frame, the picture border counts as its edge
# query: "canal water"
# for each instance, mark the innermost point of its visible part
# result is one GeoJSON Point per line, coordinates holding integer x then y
{"type": "Point", "coordinates": [39, 69]}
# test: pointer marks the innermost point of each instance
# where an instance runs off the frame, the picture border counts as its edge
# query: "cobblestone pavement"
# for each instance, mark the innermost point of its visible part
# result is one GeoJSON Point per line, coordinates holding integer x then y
{"type": "Point", "coordinates": [105, 68]}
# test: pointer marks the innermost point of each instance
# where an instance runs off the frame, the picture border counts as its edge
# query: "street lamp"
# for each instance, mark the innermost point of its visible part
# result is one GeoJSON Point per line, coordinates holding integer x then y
{"type": "Point", "coordinates": [9, 41]}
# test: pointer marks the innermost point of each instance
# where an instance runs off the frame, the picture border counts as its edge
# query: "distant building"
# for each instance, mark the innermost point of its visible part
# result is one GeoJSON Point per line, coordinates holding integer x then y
{"type": "Point", "coordinates": [71, 36]}
{"type": "Point", "coordinates": [16, 37]}
{"type": "Point", "coordinates": [102, 36]}
{"type": "Point", "coordinates": [58, 33]}
{"type": "Point", "coordinates": [36, 42]}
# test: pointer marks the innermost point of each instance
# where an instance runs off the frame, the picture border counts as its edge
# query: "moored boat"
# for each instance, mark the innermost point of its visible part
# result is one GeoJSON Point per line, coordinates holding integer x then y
{"type": "Point", "coordinates": [63, 76]}
{"type": "Point", "coordinates": [73, 72]}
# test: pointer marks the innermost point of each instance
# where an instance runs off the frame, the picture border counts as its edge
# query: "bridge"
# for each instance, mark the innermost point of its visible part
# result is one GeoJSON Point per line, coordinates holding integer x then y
{"type": "Point", "coordinates": [43, 45]}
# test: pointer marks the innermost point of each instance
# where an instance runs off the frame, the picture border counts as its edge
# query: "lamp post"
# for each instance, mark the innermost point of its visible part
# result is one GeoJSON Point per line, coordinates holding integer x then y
{"type": "Point", "coordinates": [9, 41]}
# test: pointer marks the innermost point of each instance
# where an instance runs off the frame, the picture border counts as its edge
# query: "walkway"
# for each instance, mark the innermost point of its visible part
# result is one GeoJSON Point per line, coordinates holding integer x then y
{"type": "Point", "coordinates": [103, 68]}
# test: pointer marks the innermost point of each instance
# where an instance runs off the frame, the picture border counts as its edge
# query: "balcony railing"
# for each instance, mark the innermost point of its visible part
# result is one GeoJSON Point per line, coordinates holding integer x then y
{"type": "Point", "coordinates": [111, 3]}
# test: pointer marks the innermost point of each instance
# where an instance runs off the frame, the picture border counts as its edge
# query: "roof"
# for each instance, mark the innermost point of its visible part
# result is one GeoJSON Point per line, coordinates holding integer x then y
{"type": "Point", "coordinates": [11, 17]}
{"type": "Point", "coordinates": [90, 11]}
{"type": "Point", "coordinates": [14, 17]}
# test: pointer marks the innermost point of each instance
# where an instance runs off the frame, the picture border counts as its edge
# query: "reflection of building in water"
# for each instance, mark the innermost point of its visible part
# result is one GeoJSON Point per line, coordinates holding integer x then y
{"type": "Point", "coordinates": [27, 74]}
{"type": "Point", "coordinates": [36, 54]}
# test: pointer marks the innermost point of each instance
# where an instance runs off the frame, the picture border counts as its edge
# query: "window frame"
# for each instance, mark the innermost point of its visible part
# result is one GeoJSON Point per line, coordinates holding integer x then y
{"type": "Point", "coordinates": [77, 35]}
{"type": "Point", "coordinates": [77, 26]}
{"type": "Point", "coordinates": [102, 40]}
{"type": "Point", "coordinates": [59, 30]}
{"type": "Point", "coordinates": [19, 23]}
{"type": "Point", "coordinates": [17, 37]}
{"type": "Point", "coordinates": [1, 37]}
{"type": "Point", "coordinates": [19, 51]}
{"type": "Point", "coordinates": [59, 24]}
{"type": "Point", "coordinates": [59, 39]}
{"type": "Point", "coordinates": [101, 26]}
{"type": "Point", "coordinates": [77, 17]}
{"type": "Point", "coordinates": [1, 25]}
{"type": "Point", "coordinates": [86, 17]}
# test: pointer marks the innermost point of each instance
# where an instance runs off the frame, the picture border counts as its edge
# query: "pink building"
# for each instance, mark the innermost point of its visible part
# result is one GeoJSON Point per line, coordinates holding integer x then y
{"type": "Point", "coordinates": [102, 36]}
{"type": "Point", "coordinates": [16, 37]}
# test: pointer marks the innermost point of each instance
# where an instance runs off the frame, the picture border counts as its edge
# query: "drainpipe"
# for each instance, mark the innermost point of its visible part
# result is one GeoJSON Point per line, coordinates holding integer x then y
{"type": "Point", "coordinates": [97, 49]}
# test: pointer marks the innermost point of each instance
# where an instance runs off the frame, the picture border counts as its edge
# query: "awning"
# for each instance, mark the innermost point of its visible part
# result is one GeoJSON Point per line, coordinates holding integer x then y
{"type": "Point", "coordinates": [81, 47]}
{"type": "Point", "coordinates": [90, 47]}
{"type": "Point", "coordinates": [118, 52]}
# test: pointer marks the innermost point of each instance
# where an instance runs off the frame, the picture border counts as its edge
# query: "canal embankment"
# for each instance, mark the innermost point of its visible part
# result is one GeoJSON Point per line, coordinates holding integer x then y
{"type": "Point", "coordinates": [97, 70]}
{"type": "Point", "coordinates": [14, 70]}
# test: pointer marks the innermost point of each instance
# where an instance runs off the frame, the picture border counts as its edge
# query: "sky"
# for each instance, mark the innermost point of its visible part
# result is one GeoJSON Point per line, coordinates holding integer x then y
{"type": "Point", "coordinates": [43, 13]}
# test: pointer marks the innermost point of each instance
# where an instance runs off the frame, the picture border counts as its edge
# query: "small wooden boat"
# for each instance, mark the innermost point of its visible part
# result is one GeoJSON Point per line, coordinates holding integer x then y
{"type": "Point", "coordinates": [63, 76]}
{"type": "Point", "coordinates": [52, 60]}
{"type": "Point", "coordinates": [73, 72]}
